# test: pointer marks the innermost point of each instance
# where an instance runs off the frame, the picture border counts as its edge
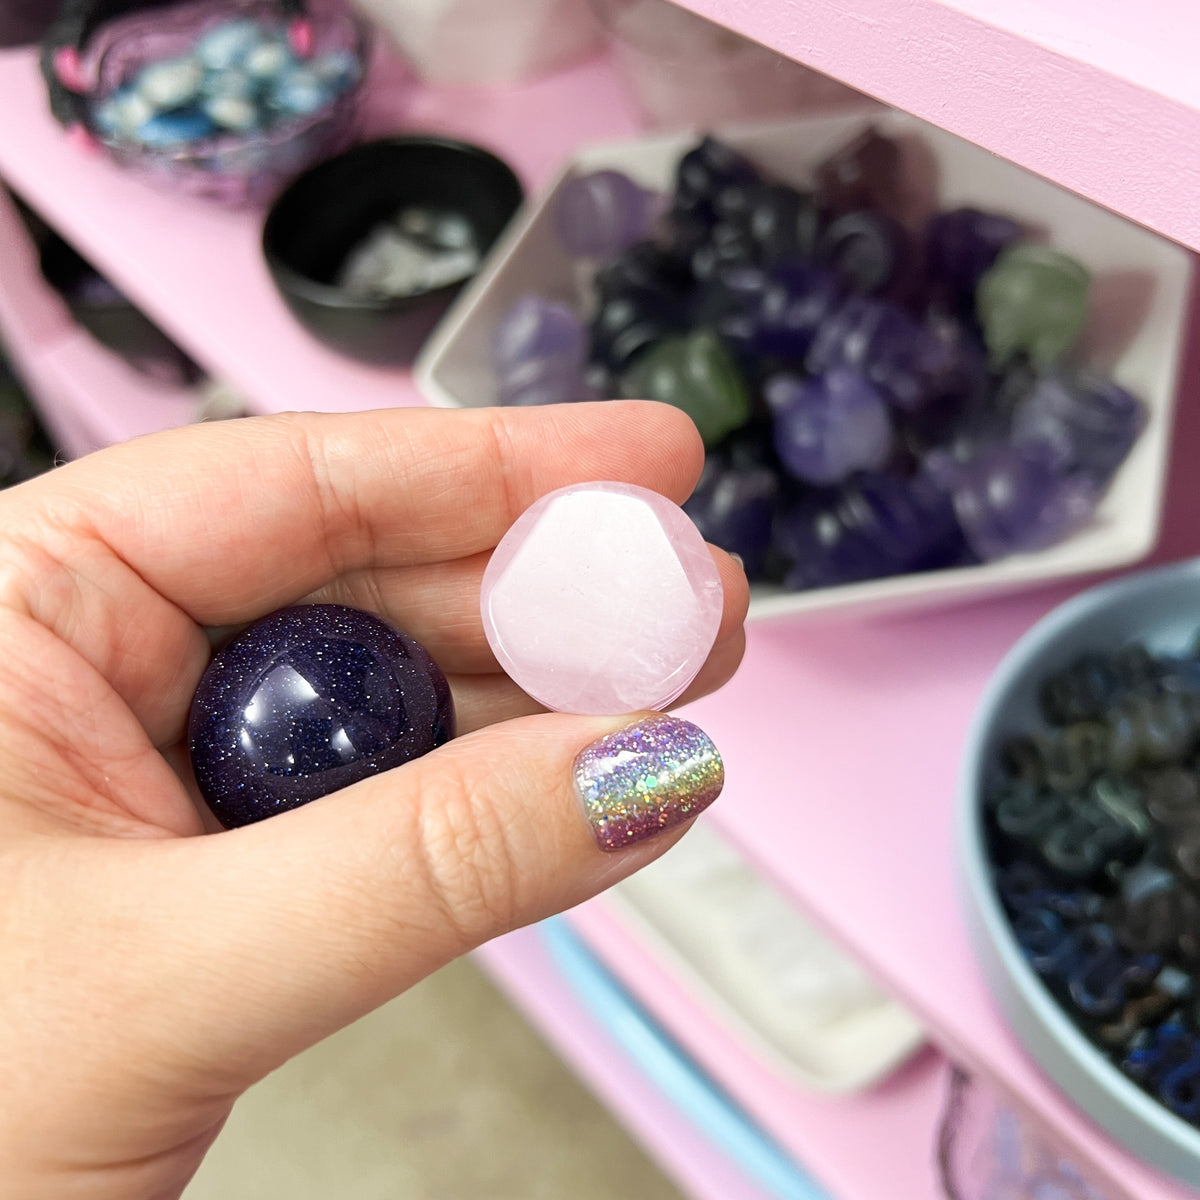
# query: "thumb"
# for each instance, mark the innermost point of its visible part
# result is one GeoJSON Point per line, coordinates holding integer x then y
{"type": "Point", "coordinates": [300, 924]}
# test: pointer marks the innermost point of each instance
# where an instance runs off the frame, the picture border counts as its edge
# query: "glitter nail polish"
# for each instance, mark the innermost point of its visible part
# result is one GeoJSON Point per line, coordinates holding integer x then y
{"type": "Point", "coordinates": [647, 778]}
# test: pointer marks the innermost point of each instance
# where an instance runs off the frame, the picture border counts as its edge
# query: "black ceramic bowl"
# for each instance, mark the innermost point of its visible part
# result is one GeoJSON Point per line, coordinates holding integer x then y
{"type": "Point", "coordinates": [331, 209]}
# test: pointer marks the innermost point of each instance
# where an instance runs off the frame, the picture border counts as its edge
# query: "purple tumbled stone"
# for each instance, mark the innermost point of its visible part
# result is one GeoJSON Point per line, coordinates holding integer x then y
{"type": "Point", "coordinates": [828, 426]}
{"type": "Point", "coordinates": [961, 245]}
{"type": "Point", "coordinates": [906, 360]}
{"type": "Point", "coordinates": [629, 322]}
{"type": "Point", "coordinates": [869, 250]}
{"type": "Point", "coordinates": [957, 381]}
{"type": "Point", "coordinates": [307, 701]}
{"type": "Point", "coordinates": [734, 508]}
{"type": "Point", "coordinates": [820, 553]}
{"type": "Point", "coordinates": [1090, 422]}
{"type": "Point", "coordinates": [538, 381]}
{"type": "Point", "coordinates": [793, 303]}
{"type": "Point", "coordinates": [602, 213]}
{"type": "Point", "coordinates": [536, 328]}
{"type": "Point", "coordinates": [878, 526]}
{"type": "Point", "coordinates": [703, 174]}
{"type": "Point", "coordinates": [911, 517]}
{"type": "Point", "coordinates": [1011, 499]}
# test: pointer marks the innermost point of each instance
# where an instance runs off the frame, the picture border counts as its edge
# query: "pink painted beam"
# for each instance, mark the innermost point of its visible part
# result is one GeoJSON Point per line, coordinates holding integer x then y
{"type": "Point", "coordinates": [86, 395]}
{"type": "Point", "coordinates": [527, 974]}
{"type": "Point", "coordinates": [842, 743]}
{"type": "Point", "coordinates": [898, 1118]}
{"type": "Point", "coordinates": [827, 1136]}
{"type": "Point", "coordinates": [198, 270]}
{"type": "Point", "coordinates": [1101, 96]}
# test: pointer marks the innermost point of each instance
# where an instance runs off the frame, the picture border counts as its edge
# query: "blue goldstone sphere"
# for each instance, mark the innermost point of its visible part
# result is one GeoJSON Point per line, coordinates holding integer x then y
{"type": "Point", "coordinates": [309, 700]}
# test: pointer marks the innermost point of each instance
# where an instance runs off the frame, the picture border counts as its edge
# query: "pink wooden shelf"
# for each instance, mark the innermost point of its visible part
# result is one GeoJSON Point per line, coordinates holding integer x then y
{"type": "Point", "coordinates": [842, 739]}
{"type": "Point", "coordinates": [88, 397]}
{"type": "Point", "coordinates": [898, 1118]}
{"type": "Point", "coordinates": [1101, 96]}
{"type": "Point", "coordinates": [826, 1136]}
{"type": "Point", "coordinates": [842, 744]}
{"type": "Point", "coordinates": [197, 270]}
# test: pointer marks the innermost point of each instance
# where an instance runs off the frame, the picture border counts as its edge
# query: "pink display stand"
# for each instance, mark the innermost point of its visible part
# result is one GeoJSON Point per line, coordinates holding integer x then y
{"type": "Point", "coordinates": [198, 269]}
{"type": "Point", "coordinates": [1102, 96]}
{"type": "Point", "coordinates": [831, 1137]}
{"type": "Point", "coordinates": [842, 739]}
{"type": "Point", "coordinates": [88, 397]}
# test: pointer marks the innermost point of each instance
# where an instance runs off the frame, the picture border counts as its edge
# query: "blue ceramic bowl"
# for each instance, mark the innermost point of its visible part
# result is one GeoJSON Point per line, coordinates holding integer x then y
{"type": "Point", "coordinates": [1161, 608]}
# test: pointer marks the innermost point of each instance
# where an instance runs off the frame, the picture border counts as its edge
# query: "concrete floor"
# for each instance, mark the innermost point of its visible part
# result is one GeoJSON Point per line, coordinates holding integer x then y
{"type": "Point", "coordinates": [445, 1094]}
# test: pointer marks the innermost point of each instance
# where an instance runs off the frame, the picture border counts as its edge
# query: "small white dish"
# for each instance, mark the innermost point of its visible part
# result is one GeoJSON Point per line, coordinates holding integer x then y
{"type": "Point", "coordinates": [748, 956]}
{"type": "Point", "coordinates": [1141, 284]}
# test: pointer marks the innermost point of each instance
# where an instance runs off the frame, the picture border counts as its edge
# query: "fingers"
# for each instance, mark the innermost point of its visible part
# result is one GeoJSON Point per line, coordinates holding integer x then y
{"type": "Point", "coordinates": [306, 921]}
{"type": "Point", "coordinates": [229, 521]}
{"type": "Point", "coordinates": [481, 700]}
{"type": "Point", "coordinates": [121, 554]}
{"type": "Point", "coordinates": [438, 604]}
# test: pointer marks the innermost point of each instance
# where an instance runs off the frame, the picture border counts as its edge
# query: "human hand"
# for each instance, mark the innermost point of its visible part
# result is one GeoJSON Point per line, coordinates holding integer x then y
{"type": "Point", "coordinates": [153, 974]}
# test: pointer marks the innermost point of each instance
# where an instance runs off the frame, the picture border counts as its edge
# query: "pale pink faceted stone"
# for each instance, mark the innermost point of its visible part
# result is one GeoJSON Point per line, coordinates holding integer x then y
{"type": "Point", "coordinates": [602, 598]}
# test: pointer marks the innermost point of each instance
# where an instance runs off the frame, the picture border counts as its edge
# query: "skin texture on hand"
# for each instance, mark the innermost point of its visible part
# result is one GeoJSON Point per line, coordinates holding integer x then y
{"type": "Point", "coordinates": [156, 967]}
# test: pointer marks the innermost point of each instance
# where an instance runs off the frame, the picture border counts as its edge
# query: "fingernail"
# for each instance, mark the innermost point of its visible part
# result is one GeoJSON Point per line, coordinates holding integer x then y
{"type": "Point", "coordinates": [647, 778]}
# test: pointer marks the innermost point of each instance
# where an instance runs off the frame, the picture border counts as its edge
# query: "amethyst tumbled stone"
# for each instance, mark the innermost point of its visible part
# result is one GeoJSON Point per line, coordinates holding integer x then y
{"type": "Point", "coordinates": [538, 353]}
{"type": "Point", "coordinates": [828, 426]}
{"type": "Point", "coordinates": [734, 508]}
{"type": "Point", "coordinates": [1089, 421]}
{"type": "Point", "coordinates": [961, 245]}
{"type": "Point", "coordinates": [792, 304]}
{"type": "Point", "coordinates": [602, 213]}
{"type": "Point", "coordinates": [1014, 498]}
{"type": "Point", "coordinates": [543, 381]}
{"type": "Point", "coordinates": [906, 360]}
{"type": "Point", "coordinates": [875, 526]}
{"type": "Point", "coordinates": [537, 328]}
{"type": "Point", "coordinates": [307, 701]}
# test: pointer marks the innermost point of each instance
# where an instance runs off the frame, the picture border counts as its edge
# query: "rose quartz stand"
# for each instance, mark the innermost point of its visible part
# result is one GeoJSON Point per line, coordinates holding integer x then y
{"type": "Point", "coordinates": [602, 598]}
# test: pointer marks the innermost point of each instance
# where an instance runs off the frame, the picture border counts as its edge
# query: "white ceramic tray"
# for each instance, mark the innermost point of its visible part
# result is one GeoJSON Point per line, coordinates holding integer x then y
{"type": "Point", "coordinates": [749, 957]}
{"type": "Point", "coordinates": [1140, 293]}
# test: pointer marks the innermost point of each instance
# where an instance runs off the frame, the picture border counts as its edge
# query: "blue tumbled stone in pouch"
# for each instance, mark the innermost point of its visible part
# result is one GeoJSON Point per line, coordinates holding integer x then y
{"type": "Point", "coordinates": [226, 45]}
{"type": "Point", "coordinates": [307, 701]}
{"type": "Point", "coordinates": [174, 129]}
{"type": "Point", "coordinates": [300, 93]}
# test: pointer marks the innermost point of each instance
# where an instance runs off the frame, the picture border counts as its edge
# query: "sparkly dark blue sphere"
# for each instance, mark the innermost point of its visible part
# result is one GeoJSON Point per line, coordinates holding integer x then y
{"type": "Point", "coordinates": [309, 700]}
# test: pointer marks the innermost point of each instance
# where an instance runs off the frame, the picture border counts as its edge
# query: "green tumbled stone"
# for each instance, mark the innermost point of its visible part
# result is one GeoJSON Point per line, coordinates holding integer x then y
{"type": "Point", "coordinates": [697, 374]}
{"type": "Point", "coordinates": [1032, 300]}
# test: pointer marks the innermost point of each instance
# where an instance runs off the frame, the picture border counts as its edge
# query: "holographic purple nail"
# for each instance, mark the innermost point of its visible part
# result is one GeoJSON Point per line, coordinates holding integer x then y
{"type": "Point", "coordinates": [647, 778]}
